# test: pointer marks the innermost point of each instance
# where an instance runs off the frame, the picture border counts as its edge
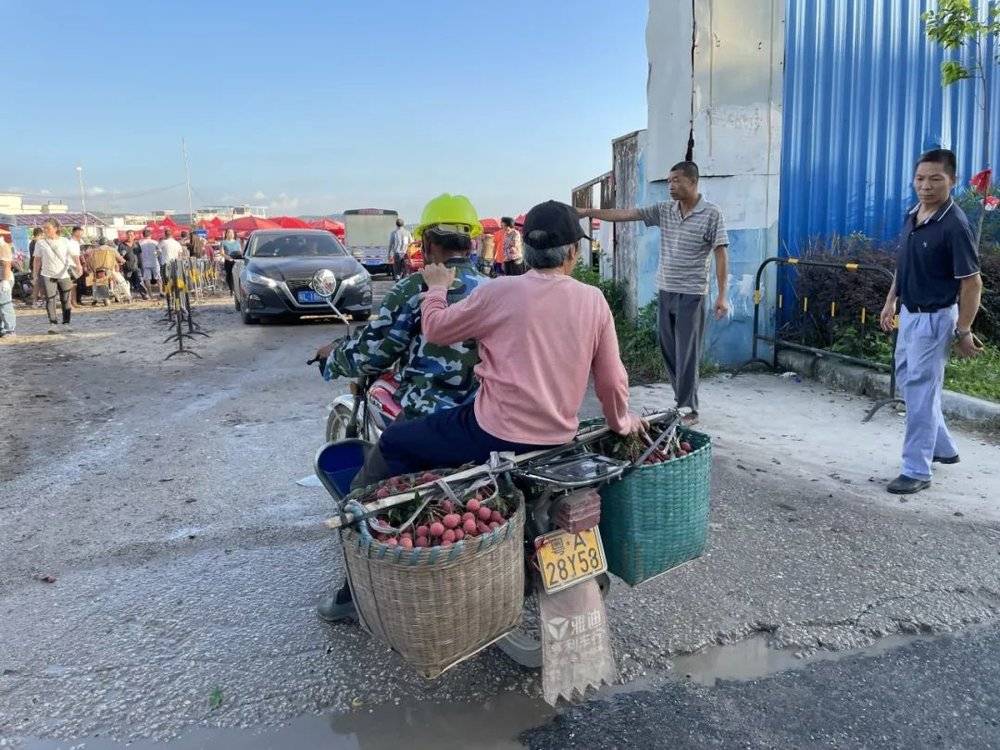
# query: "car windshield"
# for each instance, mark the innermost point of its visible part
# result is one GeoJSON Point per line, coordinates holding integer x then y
{"type": "Point", "coordinates": [295, 246]}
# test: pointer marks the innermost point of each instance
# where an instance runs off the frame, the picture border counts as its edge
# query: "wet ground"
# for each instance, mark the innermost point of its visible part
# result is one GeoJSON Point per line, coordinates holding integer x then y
{"type": "Point", "coordinates": [160, 565]}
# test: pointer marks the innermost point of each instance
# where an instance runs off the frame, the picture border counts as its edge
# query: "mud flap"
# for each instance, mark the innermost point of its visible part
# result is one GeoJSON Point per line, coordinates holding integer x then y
{"type": "Point", "coordinates": [576, 642]}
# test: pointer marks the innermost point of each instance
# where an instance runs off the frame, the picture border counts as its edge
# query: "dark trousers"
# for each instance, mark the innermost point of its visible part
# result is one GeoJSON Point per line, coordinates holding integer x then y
{"type": "Point", "coordinates": [62, 289]}
{"type": "Point", "coordinates": [447, 439]}
{"type": "Point", "coordinates": [682, 327]}
{"type": "Point", "coordinates": [228, 264]}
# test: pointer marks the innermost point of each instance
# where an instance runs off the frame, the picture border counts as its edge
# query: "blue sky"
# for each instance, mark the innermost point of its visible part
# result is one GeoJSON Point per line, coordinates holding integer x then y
{"type": "Point", "coordinates": [314, 107]}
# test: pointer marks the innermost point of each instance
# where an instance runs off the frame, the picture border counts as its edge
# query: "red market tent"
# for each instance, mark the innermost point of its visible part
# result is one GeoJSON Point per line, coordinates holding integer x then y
{"type": "Point", "coordinates": [519, 221]}
{"type": "Point", "coordinates": [246, 224]}
{"type": "Point", "coordinates": [334, 227]}
{"type": "Point", "coordinates": [213, 231]}
{"type": "Point", "coordinates": [290, 222]}
{"type": "Point", "coordinates": [490, 225]}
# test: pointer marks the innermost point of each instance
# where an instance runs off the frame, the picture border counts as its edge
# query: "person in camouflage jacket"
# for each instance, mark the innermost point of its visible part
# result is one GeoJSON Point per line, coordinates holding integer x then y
{"type": "Point", "coordinates": [431, 377]}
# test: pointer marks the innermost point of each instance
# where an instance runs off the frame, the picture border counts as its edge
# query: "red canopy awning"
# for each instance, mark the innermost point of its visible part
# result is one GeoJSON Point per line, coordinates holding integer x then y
{"type": "Point", "coordinates": [330, 225]}
{"type": "Point", "coordinates": [246, 224]}
{"type": "Point", "coordinates": [490, 225]}
{"type": "Point", "coordinates": [290, 222]}
{"type": "Point", "coordinates": [519, 221]}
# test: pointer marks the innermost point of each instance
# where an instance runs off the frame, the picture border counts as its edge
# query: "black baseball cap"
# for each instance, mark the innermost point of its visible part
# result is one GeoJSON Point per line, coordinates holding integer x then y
{"type": "Point", "coordinates": [552, 224]}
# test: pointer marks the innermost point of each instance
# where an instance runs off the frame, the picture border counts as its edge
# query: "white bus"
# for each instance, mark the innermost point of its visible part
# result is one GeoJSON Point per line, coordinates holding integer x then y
{"type": "Point", "coordinates": [366, 234]}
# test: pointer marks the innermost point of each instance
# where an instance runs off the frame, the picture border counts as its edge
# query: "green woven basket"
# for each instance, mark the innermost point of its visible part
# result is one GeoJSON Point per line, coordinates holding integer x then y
{"type": "Point", "coordinates": [656, 517]}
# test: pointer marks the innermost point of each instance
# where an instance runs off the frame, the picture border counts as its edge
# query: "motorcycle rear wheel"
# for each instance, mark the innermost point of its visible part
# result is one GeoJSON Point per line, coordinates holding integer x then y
{"type": "Point", "coordinates": [525, 647]}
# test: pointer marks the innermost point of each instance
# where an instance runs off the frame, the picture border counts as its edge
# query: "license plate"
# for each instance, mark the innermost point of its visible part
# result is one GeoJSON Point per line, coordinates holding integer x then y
{"type": "Point", "coordinates": [309, 297]}
{"type": "Point", "coordinates": [566, 559]}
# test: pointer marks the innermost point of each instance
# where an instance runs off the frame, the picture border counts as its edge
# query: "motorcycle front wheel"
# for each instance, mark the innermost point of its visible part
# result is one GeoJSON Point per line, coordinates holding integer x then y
{"type": "Point", "coordinates": [339, 425]}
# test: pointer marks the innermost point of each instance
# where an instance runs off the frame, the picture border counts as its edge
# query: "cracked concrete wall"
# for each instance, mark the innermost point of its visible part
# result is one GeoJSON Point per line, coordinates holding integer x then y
{"type": "Point", "coordinates": [715, 74]}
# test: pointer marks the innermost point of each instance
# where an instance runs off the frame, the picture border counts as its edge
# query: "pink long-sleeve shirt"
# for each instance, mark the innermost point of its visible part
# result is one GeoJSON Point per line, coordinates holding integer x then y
{"type": "Point", "coordinates": [541, 336]}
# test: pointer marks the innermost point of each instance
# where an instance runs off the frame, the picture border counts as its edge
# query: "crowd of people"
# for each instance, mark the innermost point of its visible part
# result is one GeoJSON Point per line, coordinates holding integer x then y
{"type": "Point", "coordinates": [62, 269]}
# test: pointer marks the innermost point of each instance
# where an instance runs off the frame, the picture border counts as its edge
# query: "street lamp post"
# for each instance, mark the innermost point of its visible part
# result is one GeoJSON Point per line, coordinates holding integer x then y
{"type": "Point", "coordinates": [83, 198]}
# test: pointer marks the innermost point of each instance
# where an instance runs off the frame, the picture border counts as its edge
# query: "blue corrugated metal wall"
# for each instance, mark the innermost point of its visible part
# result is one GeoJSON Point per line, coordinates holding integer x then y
{"type": "Point", "coordinates": [862, 99]}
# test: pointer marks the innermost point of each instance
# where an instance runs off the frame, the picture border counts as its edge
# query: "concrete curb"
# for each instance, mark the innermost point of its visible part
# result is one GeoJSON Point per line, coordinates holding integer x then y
{"type": "Point", "coordinates": [875, 384]}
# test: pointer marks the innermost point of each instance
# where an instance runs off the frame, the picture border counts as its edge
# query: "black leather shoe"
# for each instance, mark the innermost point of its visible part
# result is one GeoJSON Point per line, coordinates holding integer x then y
{"type": "Point", "coordinates": [904, 485]}
{"type": "Point", "coordinates": [946, 459]}
{"type": "Point", "coordinates": [338, 607]}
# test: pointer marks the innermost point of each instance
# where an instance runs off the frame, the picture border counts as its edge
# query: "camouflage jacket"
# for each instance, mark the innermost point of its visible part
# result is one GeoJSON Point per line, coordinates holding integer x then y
{"type": "Point", "coordinates": [431, 377]}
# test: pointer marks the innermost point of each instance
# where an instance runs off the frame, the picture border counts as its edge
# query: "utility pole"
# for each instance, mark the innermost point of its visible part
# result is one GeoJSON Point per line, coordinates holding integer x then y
{"type": "Point", "coordinates": [83, 198]}
{"type": "Point", "coordinates": [187, 179]}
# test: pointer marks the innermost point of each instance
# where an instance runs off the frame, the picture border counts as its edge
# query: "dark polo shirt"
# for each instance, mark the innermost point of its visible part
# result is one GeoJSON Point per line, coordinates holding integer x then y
{"type": "Point", "coordinates": [934, 257]}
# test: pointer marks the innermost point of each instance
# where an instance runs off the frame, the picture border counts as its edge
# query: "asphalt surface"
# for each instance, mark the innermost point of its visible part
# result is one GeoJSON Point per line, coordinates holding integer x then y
{"type": "Point", "coordinates": [940, 693]}
{"type": "Point", "coordinates": [160, 565]}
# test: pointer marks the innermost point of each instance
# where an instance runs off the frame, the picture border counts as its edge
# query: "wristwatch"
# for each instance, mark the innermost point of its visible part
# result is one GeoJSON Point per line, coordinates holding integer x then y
{"type": "Point", "coordinates": [959, 334]}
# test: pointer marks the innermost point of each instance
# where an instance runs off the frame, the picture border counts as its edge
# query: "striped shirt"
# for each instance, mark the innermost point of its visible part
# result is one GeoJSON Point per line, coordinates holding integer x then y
{"type": "Point", "coordinates": [686, 244]}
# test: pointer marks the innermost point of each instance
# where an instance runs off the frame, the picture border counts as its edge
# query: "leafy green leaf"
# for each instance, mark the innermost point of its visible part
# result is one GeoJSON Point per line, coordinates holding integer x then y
{"type": "Point", "coordinates": [953, 71]}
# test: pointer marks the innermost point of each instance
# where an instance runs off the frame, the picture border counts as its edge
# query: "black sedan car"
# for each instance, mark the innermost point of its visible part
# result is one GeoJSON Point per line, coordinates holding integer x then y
{"type": "Point", "coordinates": [271, 278]}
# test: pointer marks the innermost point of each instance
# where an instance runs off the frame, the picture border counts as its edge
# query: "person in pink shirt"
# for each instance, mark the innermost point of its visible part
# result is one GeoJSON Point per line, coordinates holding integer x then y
{"type": "Point", "coordinates": [541, 337]}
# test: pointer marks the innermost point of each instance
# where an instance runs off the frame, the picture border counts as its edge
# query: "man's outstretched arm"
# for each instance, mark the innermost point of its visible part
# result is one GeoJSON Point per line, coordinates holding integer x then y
{"type": "Point", "coordinates": [611, 214]}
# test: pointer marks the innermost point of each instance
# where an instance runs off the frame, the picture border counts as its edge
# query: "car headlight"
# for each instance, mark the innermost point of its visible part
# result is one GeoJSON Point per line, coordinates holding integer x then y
{"type": "Point", "coordinates": [357, 279]}
{"type": "Point", "coordinates": [256, 278]}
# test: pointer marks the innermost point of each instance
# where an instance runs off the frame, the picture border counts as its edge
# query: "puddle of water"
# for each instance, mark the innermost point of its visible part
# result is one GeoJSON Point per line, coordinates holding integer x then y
{"type": "Point", "coordinates": [753, 658]}
{"type": "Point", "coordinates": [490, 726]}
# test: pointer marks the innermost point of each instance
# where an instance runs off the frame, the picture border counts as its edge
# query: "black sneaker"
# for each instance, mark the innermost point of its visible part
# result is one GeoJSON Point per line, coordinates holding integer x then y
{"type": "Point", "coordinates": [946, 459]}
{"type": "Point", "coordinates": [904, 485]}
{"type": "Point", "coordinates": [338, 607]}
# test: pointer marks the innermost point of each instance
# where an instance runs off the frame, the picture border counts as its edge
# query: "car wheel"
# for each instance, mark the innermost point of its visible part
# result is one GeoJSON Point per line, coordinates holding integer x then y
{"type": "Point", "coordinates": [361, 316]}
{"type": "Point", "coordinates": [247, 318]}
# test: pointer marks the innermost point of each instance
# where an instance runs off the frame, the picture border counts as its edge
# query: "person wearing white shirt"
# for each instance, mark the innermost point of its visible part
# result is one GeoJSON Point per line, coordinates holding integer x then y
{"type": "Point", "coordinates": [54, 264]}
{"type": "Point", "coordinates": [170, 250]}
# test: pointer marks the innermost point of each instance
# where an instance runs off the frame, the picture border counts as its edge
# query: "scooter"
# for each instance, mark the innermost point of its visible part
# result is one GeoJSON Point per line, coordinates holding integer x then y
{"type": "Point", "coordinates": [564, 629]}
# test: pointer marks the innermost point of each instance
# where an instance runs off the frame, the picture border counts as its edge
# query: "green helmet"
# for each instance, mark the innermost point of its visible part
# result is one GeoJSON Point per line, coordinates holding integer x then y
{"type": "Point", "coordinates": [451, 213]}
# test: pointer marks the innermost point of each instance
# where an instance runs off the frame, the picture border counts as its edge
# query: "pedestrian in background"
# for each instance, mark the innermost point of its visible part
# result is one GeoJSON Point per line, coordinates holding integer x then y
{"type": "Point", "coordinates": [170, 250]}
{"type": "Point", "coordinates": [399, 240]}
{"type": "Point", "coordinates": [692, 230]}
{"type": "Point", "coordinates": [8, 319]}
{"type": "Point", "coordinates": [149, 262]}
{"type": "Point", "coordinates": [132, 269]}
{"type": "Point", "coordinates": [513, 248]}
{"type": "Point", "coordinates": [37, 292]}
{"type": "Point", "coordinates": [76, 250]}
{"type": "Point", "coordinates": [231, 248]}
{"type": "Point", "coordinates": [939, 287]}
{"type": "Point", "coordinates": [54, 269]}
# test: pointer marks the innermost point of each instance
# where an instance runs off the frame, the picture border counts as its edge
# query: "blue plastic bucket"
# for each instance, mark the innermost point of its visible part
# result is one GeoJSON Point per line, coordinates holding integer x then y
{"type": "Point", "coordinates": [338, 463]}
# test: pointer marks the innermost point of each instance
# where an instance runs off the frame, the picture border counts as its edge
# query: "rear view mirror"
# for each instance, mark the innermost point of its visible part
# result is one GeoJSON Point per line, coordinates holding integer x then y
{"type": "Point", "coordinates": [324, 283]}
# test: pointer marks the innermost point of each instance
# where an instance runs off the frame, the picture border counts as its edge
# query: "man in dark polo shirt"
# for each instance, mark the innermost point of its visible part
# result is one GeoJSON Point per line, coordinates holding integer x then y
{"type": "Point", "coordinates": [692, 233]}
{"type": "Point", "coordinates": [938, 285]}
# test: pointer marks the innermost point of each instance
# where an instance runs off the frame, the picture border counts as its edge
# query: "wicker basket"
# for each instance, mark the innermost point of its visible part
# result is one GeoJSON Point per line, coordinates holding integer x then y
{"type": "Point", "coordinates": [656, 517]}
{"type": "Point", "coordinates": [439, 605]}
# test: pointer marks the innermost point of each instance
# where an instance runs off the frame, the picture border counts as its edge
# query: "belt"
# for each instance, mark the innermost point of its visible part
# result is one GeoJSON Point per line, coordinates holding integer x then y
{"type": "Point", "coordinates": [924, 308]}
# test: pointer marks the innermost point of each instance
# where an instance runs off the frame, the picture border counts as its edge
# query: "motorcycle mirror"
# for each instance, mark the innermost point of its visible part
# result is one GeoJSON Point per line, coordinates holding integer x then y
{"type": "Point", "coordinates": [324, 283]}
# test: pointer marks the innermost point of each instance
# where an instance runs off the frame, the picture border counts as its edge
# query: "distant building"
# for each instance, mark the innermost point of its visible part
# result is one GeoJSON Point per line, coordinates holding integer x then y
{"type": "Point", "coordinates": [12, 204]}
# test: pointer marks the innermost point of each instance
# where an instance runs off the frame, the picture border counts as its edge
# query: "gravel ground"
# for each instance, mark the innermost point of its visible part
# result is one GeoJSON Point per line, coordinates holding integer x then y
{"type": "Point", "coordinates": [159, 499]}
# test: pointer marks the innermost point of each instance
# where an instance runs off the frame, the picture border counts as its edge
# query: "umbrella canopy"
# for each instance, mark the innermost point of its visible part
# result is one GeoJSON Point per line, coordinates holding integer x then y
{"type": "Point", "coordinates": [490, 225]}
{"type": "Point", "coordinates": [519, 221]}
{"type": "Point", "coordinates": [249, 224]}
{"type": "Point", "coordinates": [330, 225]}
{"type": "Point", "coordinates": [290, 222]}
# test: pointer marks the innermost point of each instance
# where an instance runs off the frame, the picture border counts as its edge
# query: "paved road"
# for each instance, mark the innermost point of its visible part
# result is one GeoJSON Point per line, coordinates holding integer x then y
{"type": "Point", "coordinates": [160, 497]}
{"type": "Point", "coordinates": [939, 693]}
